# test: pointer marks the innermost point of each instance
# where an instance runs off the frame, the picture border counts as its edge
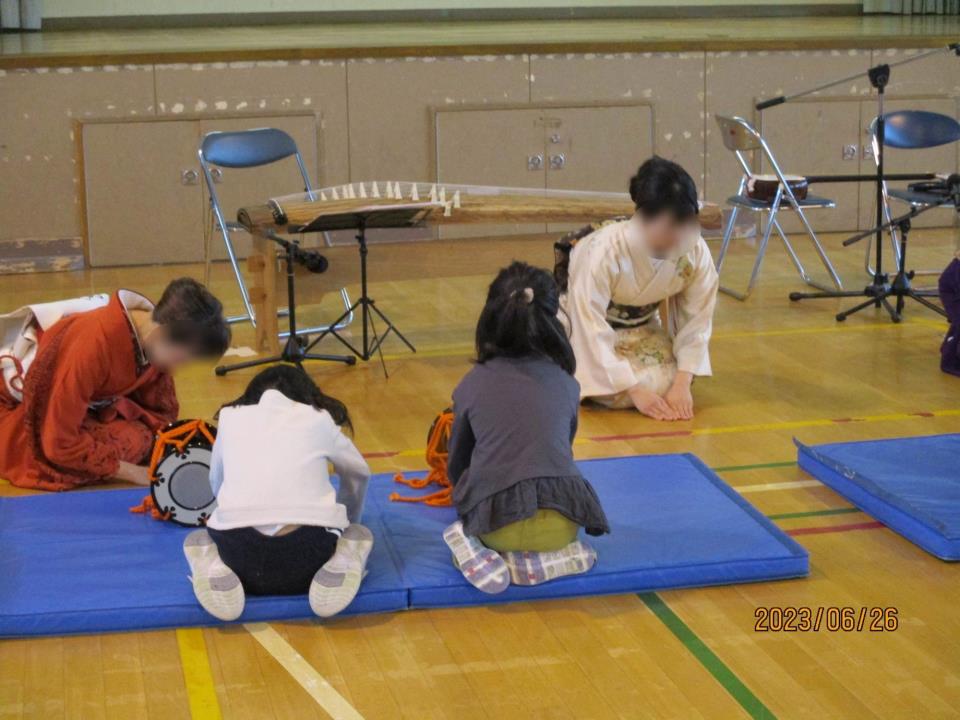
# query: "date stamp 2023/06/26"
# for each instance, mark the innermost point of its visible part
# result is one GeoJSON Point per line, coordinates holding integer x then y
{"type": "Point", "coordinates": [805, 618]}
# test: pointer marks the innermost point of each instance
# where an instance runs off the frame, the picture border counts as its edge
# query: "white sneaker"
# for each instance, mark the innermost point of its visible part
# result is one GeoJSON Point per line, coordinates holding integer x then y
{"type": "Point", "coordinates": [216, 586]}
{"type": "Point", "coordinates": [337, 582]}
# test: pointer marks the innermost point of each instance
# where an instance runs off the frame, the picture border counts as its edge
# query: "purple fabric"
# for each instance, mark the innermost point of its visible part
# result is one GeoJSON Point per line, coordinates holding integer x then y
{"type": "Point", "coordinates": [950, 297]}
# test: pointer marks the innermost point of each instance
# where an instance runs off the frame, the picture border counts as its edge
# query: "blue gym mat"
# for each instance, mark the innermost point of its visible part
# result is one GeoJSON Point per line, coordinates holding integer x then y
{"type": "Point", "coordinates": [674, 523]}
{"type": "Point", "coordinates": [81, 563]}
{"type": "Point", "coordinates": [911, 485]}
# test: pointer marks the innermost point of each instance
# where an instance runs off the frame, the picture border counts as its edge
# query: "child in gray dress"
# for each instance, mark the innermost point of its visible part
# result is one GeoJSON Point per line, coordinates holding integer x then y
{"type": "Point", "coordinates": [520, 497]}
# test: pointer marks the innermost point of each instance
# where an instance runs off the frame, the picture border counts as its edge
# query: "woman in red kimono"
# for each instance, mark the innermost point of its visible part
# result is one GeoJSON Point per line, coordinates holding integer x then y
{"type": "Point", "coordinates": [101, 385]}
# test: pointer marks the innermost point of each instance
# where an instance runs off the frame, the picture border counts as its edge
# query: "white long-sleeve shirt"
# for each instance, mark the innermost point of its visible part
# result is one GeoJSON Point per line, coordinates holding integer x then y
{"type": "Point", "coordinates": [269, 468]}
{"type": "Point", "coordinates": [613, 265]}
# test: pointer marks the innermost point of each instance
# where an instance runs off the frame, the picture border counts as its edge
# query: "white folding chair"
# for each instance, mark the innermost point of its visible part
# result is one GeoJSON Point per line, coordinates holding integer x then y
{"type": "Point", "coordinates": [248, 149]}
{"type": "Point", "coordinates": [740, 137]}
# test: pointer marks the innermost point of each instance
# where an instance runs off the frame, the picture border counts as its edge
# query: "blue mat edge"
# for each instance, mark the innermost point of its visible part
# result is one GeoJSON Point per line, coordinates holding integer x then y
{"type": "Point", "coordinates": [889, 513]}
{"type": "Point", "coordinates": [78, 623]}
{"type": "Point", "coordinates": [788, 542]}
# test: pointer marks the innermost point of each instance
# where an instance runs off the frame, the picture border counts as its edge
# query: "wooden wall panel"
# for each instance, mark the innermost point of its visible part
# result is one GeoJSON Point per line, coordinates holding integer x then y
{"type": "Point", "coordinates": [671, 82]}
{"type": "Point", "coordinates": [279, 88]}
{"type": "Point", "coordinates": [390, 101]}
{"type": "Point", "coordinates": [139, 210]}
{"type": "Point", "coordinates": [464, 139]}
{"type": "Point", "coordinates": [39, 182]}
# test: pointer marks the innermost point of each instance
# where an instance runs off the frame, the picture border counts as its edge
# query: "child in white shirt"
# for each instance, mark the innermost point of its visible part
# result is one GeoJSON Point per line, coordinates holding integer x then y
{"type": "Point", "coordinates": [280, 527]}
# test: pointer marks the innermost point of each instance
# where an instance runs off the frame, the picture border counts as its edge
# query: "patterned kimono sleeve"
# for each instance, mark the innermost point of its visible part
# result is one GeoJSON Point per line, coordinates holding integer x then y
{"type": "Point", "coordinates": [600, 370]}
{"type": "Point", "coordinates": [693, 314]}
{"type": "Point", "coordinates": [158, 401]}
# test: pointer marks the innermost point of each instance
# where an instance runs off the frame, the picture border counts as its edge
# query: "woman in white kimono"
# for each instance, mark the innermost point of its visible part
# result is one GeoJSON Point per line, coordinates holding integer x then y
{"type": "Point", "coordinates": [616, 279]}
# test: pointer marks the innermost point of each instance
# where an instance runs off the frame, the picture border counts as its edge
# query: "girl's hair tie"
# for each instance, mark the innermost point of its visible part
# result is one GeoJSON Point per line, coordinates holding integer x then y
{"type": "Point", "coordinates": [527, 294]}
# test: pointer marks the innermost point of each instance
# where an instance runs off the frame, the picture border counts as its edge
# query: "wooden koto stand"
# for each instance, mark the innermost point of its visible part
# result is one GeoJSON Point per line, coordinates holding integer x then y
{"type": "Point", "coordinates": [462, 205]}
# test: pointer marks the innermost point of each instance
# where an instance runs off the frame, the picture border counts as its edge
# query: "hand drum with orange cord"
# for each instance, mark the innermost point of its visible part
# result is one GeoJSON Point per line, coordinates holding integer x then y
{"type": "Point", "coordinates": [180, 473]}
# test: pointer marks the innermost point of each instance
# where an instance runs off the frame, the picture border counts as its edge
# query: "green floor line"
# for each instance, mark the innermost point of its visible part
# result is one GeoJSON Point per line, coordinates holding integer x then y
{"type": "Point", "coordinates": [759, 466]}
{"type": "Point", "coordinates": [814, 513]}
{"type": "Point", "coordinates": [713, 664]}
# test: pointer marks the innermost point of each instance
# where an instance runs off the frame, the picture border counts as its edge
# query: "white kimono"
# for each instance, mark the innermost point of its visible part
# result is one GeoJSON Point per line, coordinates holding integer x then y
{"type": "Point", "coordinates": [613, 278]}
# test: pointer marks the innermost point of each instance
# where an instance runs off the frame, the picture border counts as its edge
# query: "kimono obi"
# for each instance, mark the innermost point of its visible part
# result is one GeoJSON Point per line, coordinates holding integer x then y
{"type": "Point", "coordinates": [622, 317]}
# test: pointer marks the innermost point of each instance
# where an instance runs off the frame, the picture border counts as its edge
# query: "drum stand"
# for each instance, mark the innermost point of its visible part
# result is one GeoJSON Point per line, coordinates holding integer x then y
{"type": "Point", "coordinates": [293, 351]}
{"type": "Point", "coordinates": [372, 342]}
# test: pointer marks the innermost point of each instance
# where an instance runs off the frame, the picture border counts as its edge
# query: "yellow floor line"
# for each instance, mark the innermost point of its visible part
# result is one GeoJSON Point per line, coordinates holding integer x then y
{"type": "Point", "coordinates": [821, 422]}
{"type": "Point", "coordinates": [727, 429]}
{"type": "Point", "coordinates": [309, 679]}
{"type": "Point", "coordinates": [463, 349]}
{"type": "Point", "coordinates": [196, 674]}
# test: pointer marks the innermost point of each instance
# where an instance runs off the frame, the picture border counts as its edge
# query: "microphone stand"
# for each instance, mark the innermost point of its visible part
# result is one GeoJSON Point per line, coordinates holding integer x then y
{"type": "Point", "coordinates": [900, 287]}
{"type": "Point", "coordinates": [880, 286]}
{"type": "Point", "coordinates": [295, 350]}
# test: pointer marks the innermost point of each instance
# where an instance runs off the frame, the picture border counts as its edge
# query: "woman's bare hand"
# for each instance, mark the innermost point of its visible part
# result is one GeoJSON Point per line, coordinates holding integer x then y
{"type": "Point", "coordinates": [651, 404]}
{"type": "Point", "coordinates": [136, 474]}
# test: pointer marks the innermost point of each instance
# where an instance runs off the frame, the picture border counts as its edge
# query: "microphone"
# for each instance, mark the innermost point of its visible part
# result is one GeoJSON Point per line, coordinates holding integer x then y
{"type": "Point", "coordinates": [312, 260]}
{"type": "Point", "coordinates": [763, 105]}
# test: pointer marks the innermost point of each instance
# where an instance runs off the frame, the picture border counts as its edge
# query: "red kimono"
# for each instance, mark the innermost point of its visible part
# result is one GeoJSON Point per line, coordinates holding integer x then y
{"type": "Point", "coordinates": [90, 400]}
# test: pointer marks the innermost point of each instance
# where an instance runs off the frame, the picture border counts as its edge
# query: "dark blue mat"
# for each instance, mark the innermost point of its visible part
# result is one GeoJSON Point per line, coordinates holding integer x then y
{"type": "Point", "coordinates": [911, 485]}
{"type": "Point", "coordinates": [80, 562]}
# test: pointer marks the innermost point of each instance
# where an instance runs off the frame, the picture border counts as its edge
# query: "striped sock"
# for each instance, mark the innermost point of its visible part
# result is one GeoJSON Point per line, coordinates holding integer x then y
{"type": "Point", "coordinates": [482, 567]}
{"type": "Point", "coordinates": [533, 568]}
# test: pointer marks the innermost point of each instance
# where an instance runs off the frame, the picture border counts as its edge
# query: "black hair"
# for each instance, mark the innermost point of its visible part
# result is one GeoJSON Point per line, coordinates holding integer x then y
{"type": "Point", "coordinates": [520, 318]}
{"type": "Point", "coordinates": [193, 317]}
{"type": "Point", "coordinates": [296, 385]}
{"type": "Point", "coordinates": [663, 186]}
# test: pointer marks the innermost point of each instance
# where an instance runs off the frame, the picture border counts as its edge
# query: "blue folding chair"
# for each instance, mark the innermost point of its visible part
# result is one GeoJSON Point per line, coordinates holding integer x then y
{"type": "Point", "coordinates": [246, 149]}
{"type": "Point", "coordinates": [910, 130]}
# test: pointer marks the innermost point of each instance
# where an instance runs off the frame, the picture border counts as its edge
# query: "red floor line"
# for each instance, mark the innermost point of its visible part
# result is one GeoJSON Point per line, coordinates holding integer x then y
{"type": "Point", "coordinates": [634, 436]}
{"type": "Point", "coordinates": [873, 525]}
{"type": "Point", "coordinates": [387, 454]}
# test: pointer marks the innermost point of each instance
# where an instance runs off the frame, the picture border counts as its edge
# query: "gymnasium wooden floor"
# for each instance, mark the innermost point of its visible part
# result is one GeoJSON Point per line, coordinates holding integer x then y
{"type": "Point", "coordinates": [781, 371]}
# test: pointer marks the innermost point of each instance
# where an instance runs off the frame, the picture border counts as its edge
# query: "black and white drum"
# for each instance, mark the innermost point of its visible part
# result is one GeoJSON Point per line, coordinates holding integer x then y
{"type": "Point", "coordinates": [180, 472]}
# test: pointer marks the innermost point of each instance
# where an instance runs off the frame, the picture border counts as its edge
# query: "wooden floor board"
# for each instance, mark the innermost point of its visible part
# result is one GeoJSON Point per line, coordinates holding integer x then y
{"type": "Point", "coordinates": [782, 370]}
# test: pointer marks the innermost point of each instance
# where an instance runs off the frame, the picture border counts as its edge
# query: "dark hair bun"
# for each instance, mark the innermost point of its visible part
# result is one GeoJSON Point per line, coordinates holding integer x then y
{"type": "Point", "coordinates": [663, 186]}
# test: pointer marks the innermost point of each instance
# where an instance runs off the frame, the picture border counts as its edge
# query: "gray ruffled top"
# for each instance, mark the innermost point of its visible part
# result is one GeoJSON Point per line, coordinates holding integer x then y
{"type": "Point", "coordinates": [510, 449]}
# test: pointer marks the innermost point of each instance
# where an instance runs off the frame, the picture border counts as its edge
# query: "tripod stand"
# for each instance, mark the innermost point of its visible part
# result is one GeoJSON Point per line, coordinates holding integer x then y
{"type": "Point", "coordinates": [293, 351]}
{"type": "Point", "coordinates": [880, 287]}
{"type": "Point", "coordinates": [372, 342]}
{"type": "Point", "coordinates": [900, 287]}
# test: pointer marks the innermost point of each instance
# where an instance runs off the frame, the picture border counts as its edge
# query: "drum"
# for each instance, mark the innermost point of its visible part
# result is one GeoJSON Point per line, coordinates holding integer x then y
{"type": "Point", "coordinates": [764, 187]}
{"type": "Point", "coordinates": [180, 472]}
